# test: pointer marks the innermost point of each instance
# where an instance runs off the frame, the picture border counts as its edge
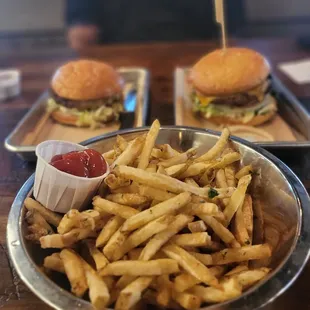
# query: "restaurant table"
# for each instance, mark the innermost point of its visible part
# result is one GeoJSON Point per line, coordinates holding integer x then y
{"type": "Point", "coordinates": [38, 64]}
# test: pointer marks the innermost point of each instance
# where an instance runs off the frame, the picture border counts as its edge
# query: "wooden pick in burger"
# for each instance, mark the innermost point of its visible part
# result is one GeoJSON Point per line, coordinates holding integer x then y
{"type": "Point", "coordinates": [220, 19]}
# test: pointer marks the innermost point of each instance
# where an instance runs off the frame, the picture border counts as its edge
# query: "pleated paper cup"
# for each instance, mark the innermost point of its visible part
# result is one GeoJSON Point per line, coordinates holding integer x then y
{"type": "Point", "coordinates": [58, 190]}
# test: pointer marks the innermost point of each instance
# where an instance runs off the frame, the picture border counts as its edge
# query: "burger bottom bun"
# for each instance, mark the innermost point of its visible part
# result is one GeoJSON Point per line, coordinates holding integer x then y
{"type": "Point", "coordinates": [64, 118]}
{"type": "Point", "coordinates": [255, 121]}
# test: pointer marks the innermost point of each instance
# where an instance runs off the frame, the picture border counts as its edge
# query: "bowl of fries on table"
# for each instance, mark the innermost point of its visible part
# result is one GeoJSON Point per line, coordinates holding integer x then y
{"type": "Point", "coordinates": [186, 219]}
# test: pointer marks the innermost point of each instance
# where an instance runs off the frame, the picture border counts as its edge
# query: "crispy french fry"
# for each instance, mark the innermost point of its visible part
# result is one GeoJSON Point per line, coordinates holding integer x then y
{"type": "Point", "coordinates": [50, 216]}
{"type": "Point", "coordinates": [132, 293]}
{"type": "Point", "coordinates": [74, 271]}
{"type": "Point", "coordinates": [194, 239]}
{"type": "Point", "coordinates": [131, 152]}
{"type": "Point", "coordinates": [242, 254]}
{"type": "Point", "coordinates": [230, 289]}
{"type": "Point", "coordinates": [190, 264]}
{"type": "Point", "coordinates": [187, 300]}
{"type": "Point", "coordinates": [127, 199]}
{"type": "Point", "coordinates": [168, 151]}
{"type": "Point", "coordinates": [143, 234]}
{"type": "Point", "coordinates": [216, 149]}
{"type": "Point", "coordinates": [154, 193]}
{"type": "Point", "coordinates": [195, 169]}
{"type": "Point", "coordinates": [205, 259]}
{"type": "Point", "coordinates": [154, 245]}
{"type": "Point", "coordinates": [115, 182]}
{"type": "Point", "coordinates": [108, 230]}
{"type": "Point", "coordinates": [141, 268]}
{"type": "Point", "coordinates": [161, 170]}
{"type": "Point", "coordinates": [179, 159]}
{"type": "Point", "coordinates": [198, 226]}
{"type": "Point", "coordinates": [54, 262]}
{"type": "Point", "coordinates": [206, 208]}
{"type": "Point", "coordinates": [166, 207]}
{"type": "Point", "coordinates": [244, 171]}
{"type": "Point", "coordinates": [148, 145]}
{"type": "Point", "coordinates": [230, 172]}
{"type": "Point", "coordinates": [177, 170]}
{"type": "Point", "coordinates": [191, 181]}
{"type": "Point", "coordinates": [164, 290]}
{"type": "Point", "coordinates": [109, 154]}
{"type": "Point", "coordinates": [237, 198]}
{"type": "Point", "coordinates": [123, 281]}
{"type": "Point", "coordinates": [106, 206]}
{"type": "Point", "coordinates": [152, 167]}
{"type": "Point", "coordinates": [237, 270]}
{"type": "Point", "coordinates": [100, 260]}
{"type": "Point", "coordinates": [34, 217]}
{"type": "Point", "coordinates": [247, 211]}
{"type": "Point", "coordinates": [133, 188]}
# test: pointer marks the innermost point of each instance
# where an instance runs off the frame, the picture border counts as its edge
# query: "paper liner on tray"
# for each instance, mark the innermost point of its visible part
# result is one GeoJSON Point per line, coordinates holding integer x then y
{"type": "Point", "coordinates": [57, 190]}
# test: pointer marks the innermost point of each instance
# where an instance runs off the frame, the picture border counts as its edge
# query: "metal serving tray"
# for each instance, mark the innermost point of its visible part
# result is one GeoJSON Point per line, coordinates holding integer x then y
{"type": "Point", "coordinates": [282, 193]}
{"type": "Point", "coordinates": [292, 116]}
{"type": "Point", "coordinates": [36, 126]}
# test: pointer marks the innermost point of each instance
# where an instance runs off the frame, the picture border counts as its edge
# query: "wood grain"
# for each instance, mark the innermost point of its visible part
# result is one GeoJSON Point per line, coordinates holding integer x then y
{"type": "Point", "coordinates": [160, 59]}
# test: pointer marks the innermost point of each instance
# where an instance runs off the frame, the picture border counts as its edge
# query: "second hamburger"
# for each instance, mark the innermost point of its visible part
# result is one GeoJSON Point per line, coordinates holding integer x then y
{"type": "Point", "coordinates": [232, 87]}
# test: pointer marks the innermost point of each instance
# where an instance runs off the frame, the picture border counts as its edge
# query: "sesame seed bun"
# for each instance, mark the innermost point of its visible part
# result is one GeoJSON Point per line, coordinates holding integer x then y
{"type": "Point", "coordinates": [86, 80]}
{"type": "Point", "coordinates": [236, 70]}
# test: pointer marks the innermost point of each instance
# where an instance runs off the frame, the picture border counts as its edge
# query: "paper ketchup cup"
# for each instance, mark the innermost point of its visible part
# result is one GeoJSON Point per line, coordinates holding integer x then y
{"type": "Point", "coordinates": [58, 190]}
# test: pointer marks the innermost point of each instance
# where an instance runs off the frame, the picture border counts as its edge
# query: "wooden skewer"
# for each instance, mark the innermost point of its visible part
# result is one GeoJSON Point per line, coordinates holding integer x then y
{"type": "Point", "coordinates": [220, 18]}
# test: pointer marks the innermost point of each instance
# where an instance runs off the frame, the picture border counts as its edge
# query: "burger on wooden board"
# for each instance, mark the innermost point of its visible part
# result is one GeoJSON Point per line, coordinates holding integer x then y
{"type": "Point", "coordinates": [86, 93]}
{"type": "Point", "coordinates": [233, 87]}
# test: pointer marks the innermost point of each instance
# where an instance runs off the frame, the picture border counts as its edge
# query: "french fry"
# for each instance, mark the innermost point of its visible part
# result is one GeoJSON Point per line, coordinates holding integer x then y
{"type": "Point", "coordinates": [143, 234]}
{"type": "Point", "coordinates": [187, 300]}
{"type": "Point", "coordinates": [133, 188]}
{"type": "Point", "coordinates": [115, 182]}
{"type": "Point", "coordinates": [109, 155]}
{"type": "Point", "coordinates": [273, 220]}
{"type": "Point", "coordinates": [177, 170]}
{"type": "Point", "coordinates": [74, 271]}
{"type": "Point", "coordinates": [54, 262]}
{"type": "Point", "coordinates": [166, 207]}
{"type": "Point", "coordinates": [247, 211]}
{"type": "Point", "coordinates": [230, 172]}
{"type": "Point", "coordinates": [237, 198]}
{"type": "Point", "coordinates": [272, 236]}
{"type": "Point", "coordinates": [191, 181]}
{"type": "Point", "coordinates": [108, 230]}
{"type": "Point", "coordinates": [36, 232]}
{"type": "Point", "coordinates": [205, 208]}
{"type": "Point", "coordinates": [154, 193]}
{"type": "Point", "coordinates": [131, 152]}
{"type": "Point", "coordinates": [121, 143]}
{"type": "Point", "coordinates": [205, 259]}
{"type": "Point", "coordinates": [198, 226]}
{"type": "Point", "coordinates": [127, 199]}
{"type": "Point", "coordinates": [168, 151]}
{"type": "Point", "coordinates": [50, 216]}
{"type": "Point", "coordinates": [195, 169]}
{"type": "Point", "coordinates": [244, 171]}
{"type": "Point", "coordinates": [216, 149]}
{"type": "Point", "coordinates": [194, 239]}
{"type": "Point", "coordinates": [161, 170]}
{"type": "Point", "coordinates": [179, 159]}
{"type": "Point", "coordinates": [141, 268]}
{"type": "Point", "coordinates": [230, 289]}
{"type": "Point", "coordinates": [34, 217]}
{"type": "Point", "coordinates": [100, 260]}
{"type": "Point", "coordinates": [164, 290]}
{"type": "Point", "coordinates": [106, 206]}
{"type": "Point", "coordinates": [132, 293]}
{"type": "Point", "coordinates": [190, 264]}
{"type": "Point", "coordinates": [134, 254]}
{"type": "Point", "coordinates": [123, 281]}
{"type": "Point", "coordinates": [242, 254]}
{"type": "Point", "coordinates": [154, 245]}
{"type": "Point", "coordinates": [237, 270]}
{"type": "Point", "coordinates": [152, 167]}
{"type": "Point", "coordinates": [98, 290]}
{"type": "Point", "coordinates": [148, 145]}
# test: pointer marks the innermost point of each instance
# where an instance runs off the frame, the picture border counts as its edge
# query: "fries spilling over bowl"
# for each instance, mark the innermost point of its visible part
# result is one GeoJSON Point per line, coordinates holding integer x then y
{"type": "Point", "coordinates": [167, 228]}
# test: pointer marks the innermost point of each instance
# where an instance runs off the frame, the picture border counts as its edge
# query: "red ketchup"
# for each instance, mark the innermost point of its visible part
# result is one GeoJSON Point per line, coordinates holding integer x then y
{"type": "Point", "coordinates": [88, 163]}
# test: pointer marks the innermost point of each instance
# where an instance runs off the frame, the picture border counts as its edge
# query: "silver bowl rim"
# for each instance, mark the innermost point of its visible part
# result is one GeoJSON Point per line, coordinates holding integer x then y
{"type": "Point", "coordinates": [255, 298]}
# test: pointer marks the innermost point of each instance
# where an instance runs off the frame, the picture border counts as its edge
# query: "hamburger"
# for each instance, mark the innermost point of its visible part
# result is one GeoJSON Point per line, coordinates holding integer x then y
{"type": "Point", "coordinates": [233, 87]}
{"type": "Point", "coordinates": [85, 93]}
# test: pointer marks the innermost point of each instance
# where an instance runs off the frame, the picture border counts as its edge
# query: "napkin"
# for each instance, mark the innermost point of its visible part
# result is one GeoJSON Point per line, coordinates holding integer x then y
{"type": "Point", "coordinates": [298, 71]}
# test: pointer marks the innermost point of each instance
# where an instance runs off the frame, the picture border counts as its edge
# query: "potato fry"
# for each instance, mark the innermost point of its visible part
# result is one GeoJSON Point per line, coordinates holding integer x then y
{"type": "Point", "coordinates": [50, 216]}
{"type": "Point", "coordinates": [168, 151]}
{"type": "Point", "coordinates": [132, 293]}
{"type": "Point", "coordinates": [198, 226]}
{"type": "Point", "coordinates": [187, 300]}
{"type": "Point", "coordinates": [205, 259]}
{"type": "Point", "coordinates": [166, 207]}
{"type": "Point", "coordinates": [205, 208]}
{"type": "Point", "coordinates": [230, 289]}
{"type": "Point", "coordinates": [237, 270]}
{"type": "Point", "coordinates": [190, 264]}
{"type": "Point", "coordinates": [74, 271]}
{"type": "Point", "coordinates": [54, 262]}
{"type": "Point", "coordinates": [154, 193]}
{"type": "Point", "coordinates": [154, 245]}
{"type": "Point", "coordinates": [242, 254]}
{"type": "Point", "coordinates": [247, 211]}
{"type": "Point", "coordinates": [179, 159]}
{"type": "Point", "coordinates": [239, 229]}
{"type": "Point", "coordinates": [194, 170]}
{"type": "Point", "coordinates": [127, 199]}
{"type": "Point", "coordinates": [177, 170]}
{"type": "Point", "coordinates": [143, 234]}
{"type": "Point", "coordinates": [230, 172]}
{"type": "Point", "coordinates": [106, 206]}
{"type": "Point", "coordinates": [109, 155]}
{"type": "Point", "coordinates": [100, 260]}
{"type": "Point", "coordinates": [131, 152]}
{"type": "Point", "coordinates": [164, 290]}
{"type": "Point", "coordinates": [141, 268]}
{"type": "Point", "coordinates": [272, 236]}
{"type": "Point", "coordinates": [36, 232]}
{"type": "Point", "coordinates": [237, 198]}
{"type": "Point", "coordinates": [123, 281]}
{"type": "Point", "coordinates": [148, 145]}
{"type": "Point", "coordinates": [135, 253]}
{"type": "Point", "coordinates": [115, 182]}
{"type": "Point", "coordinates": [34, 217]}
{"type": "Point", "coordinates": [161, 170]}
{"type": "Point", "coordinates": [121, 143]}
{"type": "Point", "coordinates": [244, 171]}
{"type": "Point", "coordinates": [217, 148]}
{"type": "Point", "coordinates": [152, 167]}
{"type": "Point", "coordinates": [108, 230]}
{"type": "Point", "coordinates": [195, 239]}
{"type": "Point", "coordinates": [191, 181]}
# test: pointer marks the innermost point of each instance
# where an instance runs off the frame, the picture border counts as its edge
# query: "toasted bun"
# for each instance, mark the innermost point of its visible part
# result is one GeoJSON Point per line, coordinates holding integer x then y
{"type": "Point", "coordinates": [64, 118]}
{"type": "Point", "coordinates": [228, 72]}
{"type": "Point", "coordinates": [86, 80]}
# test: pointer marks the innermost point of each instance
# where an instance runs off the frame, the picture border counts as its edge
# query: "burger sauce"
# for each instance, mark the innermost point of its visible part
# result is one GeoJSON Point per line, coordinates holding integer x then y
{"type": "Point", "coordinates": [88, 163]}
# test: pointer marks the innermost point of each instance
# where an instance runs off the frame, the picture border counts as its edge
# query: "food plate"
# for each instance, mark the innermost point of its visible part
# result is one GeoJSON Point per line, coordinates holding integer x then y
{"type": "Point", "coordinates": [290, 128]}
{"type": "Point", "coordinates": [36, 126]}
{"type": "Point", "coordinates": [283, 193]}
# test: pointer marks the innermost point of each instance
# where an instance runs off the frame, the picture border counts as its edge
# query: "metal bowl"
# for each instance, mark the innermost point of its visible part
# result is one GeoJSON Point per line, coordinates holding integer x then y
{"type": "Point", "coordinates": [284, 196]}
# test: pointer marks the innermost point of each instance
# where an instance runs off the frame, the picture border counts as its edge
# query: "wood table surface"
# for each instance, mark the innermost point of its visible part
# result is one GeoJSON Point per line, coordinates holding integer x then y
{"type": "Point", "coordinates": [37, 65]}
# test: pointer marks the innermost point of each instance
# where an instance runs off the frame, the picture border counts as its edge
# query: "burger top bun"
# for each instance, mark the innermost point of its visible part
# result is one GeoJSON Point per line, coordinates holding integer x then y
{"type": "Point", "coordinates": [86, 80]}
{"type": "Point", "coordinates": [234, 70]}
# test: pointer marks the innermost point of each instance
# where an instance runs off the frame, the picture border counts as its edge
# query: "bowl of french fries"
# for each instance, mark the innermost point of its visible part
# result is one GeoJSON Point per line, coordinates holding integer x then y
{"type": "Point", "coordinates": [187, 219]}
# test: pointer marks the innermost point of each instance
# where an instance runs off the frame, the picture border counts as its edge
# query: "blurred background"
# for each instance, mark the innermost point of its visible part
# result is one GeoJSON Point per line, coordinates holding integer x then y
{"type": "Point", "coordinates": [37, 23]}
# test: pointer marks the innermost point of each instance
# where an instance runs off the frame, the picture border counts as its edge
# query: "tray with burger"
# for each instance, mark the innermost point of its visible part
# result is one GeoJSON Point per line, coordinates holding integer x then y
{"type": "Point", "coordinates": [86, 99]}
{"type": "Point", "coordinates": [235, 88]}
